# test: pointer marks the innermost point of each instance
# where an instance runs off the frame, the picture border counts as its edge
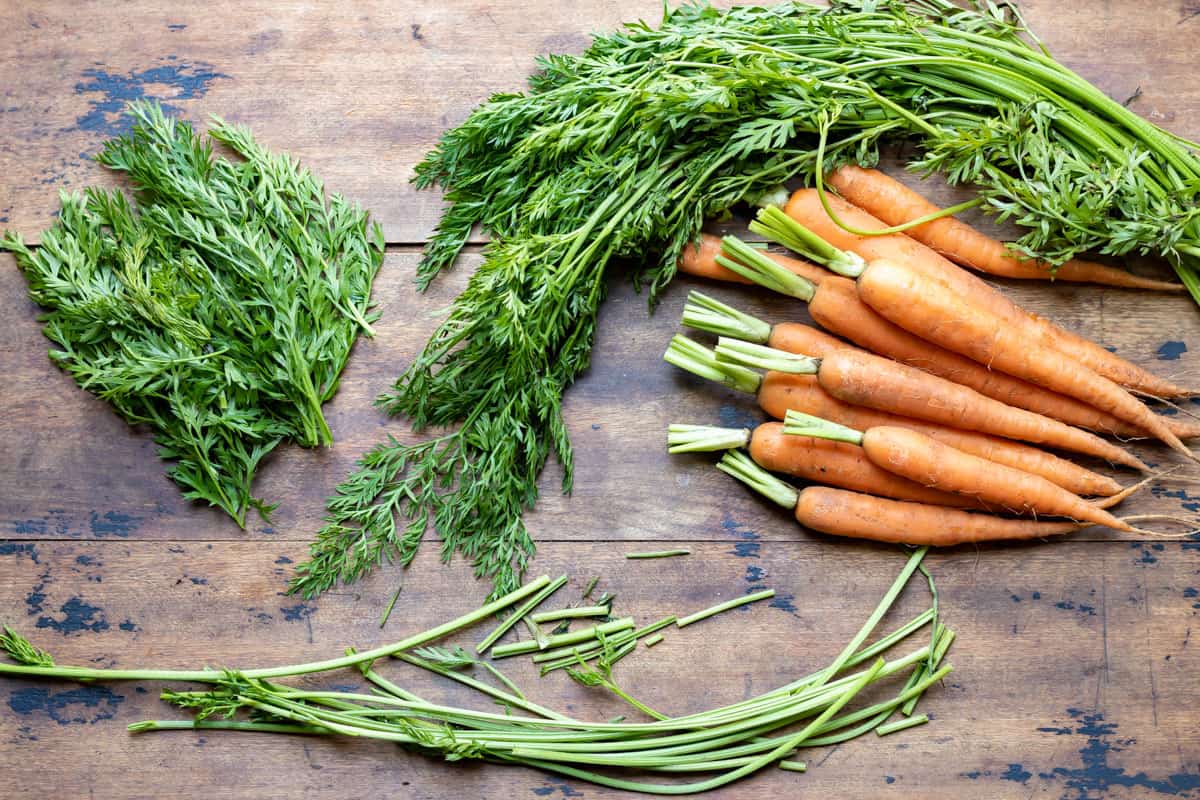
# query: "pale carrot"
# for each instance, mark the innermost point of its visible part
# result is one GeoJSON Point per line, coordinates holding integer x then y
{"type": "Point", "coordinates": [781, 392]}
{"type": "Point", "coordinates": [805, 207]}
{"type": "Point", "coordinates": [865, 379]}
{"type": "Point", "coordinates": [896, 204]}
{"type": "Point", "coordinates": [814, 459]}
{"type": "Point", "coordinates": [862, 516]}
{"type": "Point", "coordinates": [921, 459]}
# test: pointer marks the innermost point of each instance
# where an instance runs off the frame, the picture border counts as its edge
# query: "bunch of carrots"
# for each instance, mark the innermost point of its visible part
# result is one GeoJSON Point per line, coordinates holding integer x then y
{"type": "Point", "coordinates": [931, 419]}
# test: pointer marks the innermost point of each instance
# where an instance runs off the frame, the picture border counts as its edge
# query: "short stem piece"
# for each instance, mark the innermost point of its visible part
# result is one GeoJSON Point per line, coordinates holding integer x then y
{"type": "Point", "coordinates": [707, 314]}
{"type": "Point", "coordinates": [704, 438]}
{"type": "Point", "coordinates": [797, 423]}
{"type": "Point", "coordinates": [741, 467]}
{"type": "Point", "coordinates": [747, 354]}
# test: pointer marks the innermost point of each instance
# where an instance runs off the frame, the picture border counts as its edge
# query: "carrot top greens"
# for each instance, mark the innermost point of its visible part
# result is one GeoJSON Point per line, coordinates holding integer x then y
{"type": "Point", "coordinates": [218, 307]}
{"type": "Point", "coordinates": [621, 152]}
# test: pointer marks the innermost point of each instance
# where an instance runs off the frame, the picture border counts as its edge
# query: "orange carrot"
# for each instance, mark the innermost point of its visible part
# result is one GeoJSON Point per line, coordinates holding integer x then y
{"type": "Point", "coordinates": [781, 392]}
{"type": "Point", "coordinates": [812, 459]}
{"type": "Point", "coordinates": [701, 261]}
{"type": "Point", "coordinates": [835, 304]}
{"type": "Point", "coordinates": [921, 459]}
{"type": "Point", "coordinates": [805, 207]}
{"type": "Point", "coordinates": [862, 516]}
{"type": "Point", "coordinates": [934, 311]}
{"type": "Point", "coordinates": [864, 379]}
{"type": "Point", "coordinates": [896, 204]}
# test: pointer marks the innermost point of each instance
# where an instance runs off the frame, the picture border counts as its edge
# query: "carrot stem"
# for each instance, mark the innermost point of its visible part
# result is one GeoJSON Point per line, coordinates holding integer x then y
{"type": "Point", "coordinates": [574, 637]}
{"type": "Point", "coordinates": [704, 438]}
{"type": "Point", "coordinates": [901, 724]}
{"type": "Point", "coordinates": [570, 613]}
{"type": "Point", "coordinates": [699, 360]}
{"type": "Point", "coordinates": [777, 226]}
{"type": "Point", "coordinates": [517, 615]}
{"type": "Point", "coordinates": [740, 466]}
{"type": "Point", "coordinates": [721, 607]}
{"type": "Point", "coordinates": [739, 257]}
{"type": "Point", "coordinates": [707, 314]}
{"type": "Point", "coordinates": [797, 423]}
{"type": "Point", "coordinates": [660, 554]}
{"type": "Point", "coordinates": [748, 354]}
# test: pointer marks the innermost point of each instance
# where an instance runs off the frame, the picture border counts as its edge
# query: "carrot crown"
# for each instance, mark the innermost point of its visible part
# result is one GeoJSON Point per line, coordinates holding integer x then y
{"type": "Point", "coordinates": [699, 360]}
{"type": "Point", "coordinates": [712, 316]}
{"type": "Point", "coordinates": [751, 264]}
{"type": "Point", "coordinates": [797, 423]}
{"type": "Point", "coordinates": [778, 227]}
{"type": "Point", "coordinates": [745, 354]}
{"type": "Point", "coordinates": [740, 466]}
{"type": "Point", "coordinates": [704, 438]}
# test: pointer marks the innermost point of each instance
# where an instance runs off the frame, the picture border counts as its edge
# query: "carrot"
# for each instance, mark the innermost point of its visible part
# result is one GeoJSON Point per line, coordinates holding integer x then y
{"type": "Point", "coordinates": [932, 310]}
{"type": "Point", "coordinates": [782, 392]}
{"type": "Point", "coordinates": [835, 304]}
{"type": "Point", "coordinates": [805, 207]}
{"type": "Point", "coordinates": [701, 261]}
{"type": "Point", "coordinates": [864, 379]}
{"type": "Point", "coordinates": [834, 463]}
{"type": "Point", "coordinates": [861, 516]}
{"type": "Point", "coordinates": [919, 458]}
{"type": "Point", "coordinates": [894, 203]}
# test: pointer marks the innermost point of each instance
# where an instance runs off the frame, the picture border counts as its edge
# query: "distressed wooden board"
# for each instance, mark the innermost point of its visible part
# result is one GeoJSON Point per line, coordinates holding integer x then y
{"type": "Point", "coordinates": [83, 473]}
{"type": "Point", "coordinates": [1068, 682]}
{"type": "Point", "coordinates": [1075, 664]}
{"type": "Point", "coordinates": [360, 91]}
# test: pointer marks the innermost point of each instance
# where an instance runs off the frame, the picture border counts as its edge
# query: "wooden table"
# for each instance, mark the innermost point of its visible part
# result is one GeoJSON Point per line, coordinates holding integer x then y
{"type": "Point", "coordinates": [1076, 669]}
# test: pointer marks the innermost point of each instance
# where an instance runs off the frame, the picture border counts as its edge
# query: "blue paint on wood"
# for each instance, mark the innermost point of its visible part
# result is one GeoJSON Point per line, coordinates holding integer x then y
{"type": "Point", "coordinates": [27, 549]}
{"type": "Point", "coordinates": [181, 80]}
{"type": "Point", "coordinates": [77, 615]}
{"type": "Point", "coordinates": [1171, 351]}
{"type": "Point", "coordinates": [85, 705]}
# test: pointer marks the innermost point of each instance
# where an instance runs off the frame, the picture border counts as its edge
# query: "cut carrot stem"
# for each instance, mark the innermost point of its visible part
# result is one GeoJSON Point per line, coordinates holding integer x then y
{"type": "Point", "coordinates": [901, 724]}
{"type": "Point", "coordinates": [683, 622]}
{"type": "Point", "coordinates": [659, 554]}
{"type": "Point", "coordinates": [520, 613]}
{"type": "Point", "coordinates": [562, 639]}
{"type": "Point", "coordinates": [570, 613]}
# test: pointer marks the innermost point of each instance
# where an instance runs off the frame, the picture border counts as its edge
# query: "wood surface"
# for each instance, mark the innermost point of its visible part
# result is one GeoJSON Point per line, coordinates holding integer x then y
{"type": "Point", "coordinates": [1075, 669]}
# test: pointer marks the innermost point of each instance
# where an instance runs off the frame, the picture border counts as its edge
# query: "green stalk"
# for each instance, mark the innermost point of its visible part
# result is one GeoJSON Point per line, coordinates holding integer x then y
{"type": "Point", "coordinates": [702, 439]}
{"type": "Point", "coordinates": [751, 264]}
{"type": "Point", "coordinates": [699, 360]}
{"type": "Point", "coordinates": [886, 603]}
{"type": "Point", "coordinates": [741, 467]}
{"type": "Point", "coordinates": [520, 613]}
{"type": "Point", "coordinates": [777, 226]}
{"type": "Point", "coordinates": [662, 553]}
{"type": "Point", "coordinates": [564, 656]}
{"type": "Point", "coordinates": [901, 724]}
{"type": "Point", "coordinates": [746, 354]}
{"type": "Point", "coordinates": [573, 637]}
{"type": "Point", "coordinates": [796, 423]}
{"type": "Point", "coordinates": [653, 640]}
{"type": "Point", "coordinates": [216, 675]}
{"type": "Point", "coordinates": [569, 613]}
{"type": "Point", "coordinates": [707, 314]}
{"type": "Point", "coordinates": [479, 686]}
{"type": "Point", "coordinates": [727, 605]}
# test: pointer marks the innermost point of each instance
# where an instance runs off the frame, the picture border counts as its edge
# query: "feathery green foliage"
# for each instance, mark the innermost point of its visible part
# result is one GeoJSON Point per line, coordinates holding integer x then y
{"type": "Point", "coordinates": [620, 153]}
{"type": "Point", "coordinates": [218, 309]}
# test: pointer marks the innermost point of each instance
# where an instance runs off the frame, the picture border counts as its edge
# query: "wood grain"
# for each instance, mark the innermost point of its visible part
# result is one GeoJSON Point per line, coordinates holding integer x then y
{"type": "Point", "coordinates": [1072, 676]}
{"type": "Point", "coordinates": [1075, 666]}
{"type": "Point", "coordinates": [360, 92]}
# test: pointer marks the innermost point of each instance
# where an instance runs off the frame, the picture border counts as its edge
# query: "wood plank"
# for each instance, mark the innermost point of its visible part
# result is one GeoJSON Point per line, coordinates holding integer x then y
{"type": "Point", "coordinates": [1068, 682]}
{"type": "Point", "coordinates": [359, 95]}
{"type": "Point", "coordinates": [83, 473]}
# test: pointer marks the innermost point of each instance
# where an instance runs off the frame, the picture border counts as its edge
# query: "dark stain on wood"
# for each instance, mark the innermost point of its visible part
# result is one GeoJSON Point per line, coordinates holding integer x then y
{"type": "Point", "coordinates": [179, 81]}
{"type": "Point", "coordinates": [85, 705]}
